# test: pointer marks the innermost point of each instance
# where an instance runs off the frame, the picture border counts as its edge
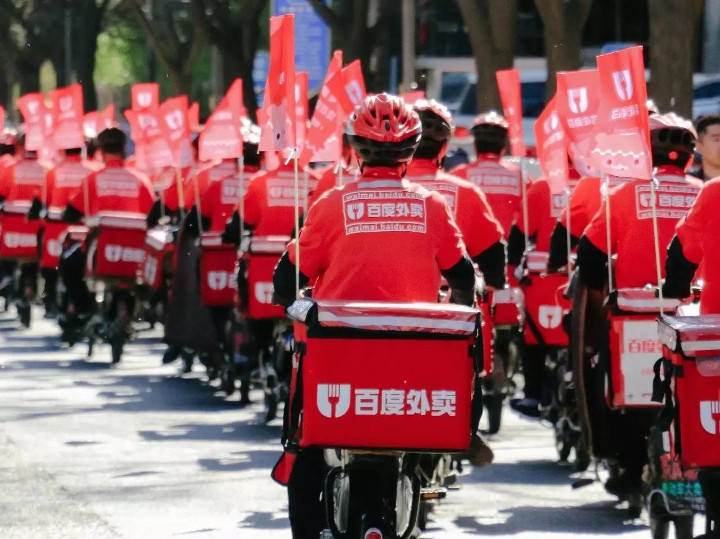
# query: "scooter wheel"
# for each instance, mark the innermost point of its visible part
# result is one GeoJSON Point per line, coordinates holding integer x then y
{"type": "Point", "coordinates": [116, 349]}
{"type": "Point", "coordinates": [24, 314]}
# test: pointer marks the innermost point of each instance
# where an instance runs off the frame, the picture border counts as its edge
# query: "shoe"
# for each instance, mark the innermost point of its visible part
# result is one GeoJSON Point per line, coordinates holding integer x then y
{"type": "Point", "coordinates": [479, 453]}
{"type": "Point", "coordinates": [170, 355]}
{"type": "Point", "coordinates": [526, 407]}
{"type": "Point", "coordinates": [624, 485]}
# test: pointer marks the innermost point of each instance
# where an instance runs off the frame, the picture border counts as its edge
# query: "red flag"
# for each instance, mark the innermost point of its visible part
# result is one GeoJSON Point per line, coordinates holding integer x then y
{"type": "Point", "coordinates": [194, 116]}
{"type": "Point", "coordinates": [271, 159]}
{"type": "Point", "coordinates": [157, 147]}
{"type": "Point", "coordinates": [577, 101]}
{"type": "Point", "coordinates": [67, 117]}
{"type": "Point", "coordinates": [551, 147]}
{"type": "Point", "coordinates": [175, 125]}
{"type": "Point", "coordinates": [280, 85]}
{"type": "Point", "coordinates": [301, 105]}
{"type": "Point", "coordinates": [324, 139]}
{"type": "Point", "coordinates": [620, 141]}
{"type": "Point", "coordinates": [32, 108]}
{"type": "Point", "coordinates": [508, 81]}
{"type": "Point", "coordinates": [412, 97]}
{"type": "Point", "coordinates": [348, 87]}
{"type": "Point", "coordinates": [2, 117]}
{"type": "Point", "coordinates": [221, 138]}
{"type": "Point", "coordinates": [145, 96]}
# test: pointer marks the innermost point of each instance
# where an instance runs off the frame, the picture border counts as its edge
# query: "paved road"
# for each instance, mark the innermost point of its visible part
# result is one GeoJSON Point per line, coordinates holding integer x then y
{"type": "Point", "coordinates": [88, 450]}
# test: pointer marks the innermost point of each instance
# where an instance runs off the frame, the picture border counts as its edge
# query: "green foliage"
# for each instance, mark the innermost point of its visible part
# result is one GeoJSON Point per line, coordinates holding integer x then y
{"type": "Point", "coordinates": [121, 56]}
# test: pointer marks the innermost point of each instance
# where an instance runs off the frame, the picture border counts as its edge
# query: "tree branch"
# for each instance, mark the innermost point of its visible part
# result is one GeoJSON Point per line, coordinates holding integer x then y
{"type": "Point", "coordinates": [327, 14]}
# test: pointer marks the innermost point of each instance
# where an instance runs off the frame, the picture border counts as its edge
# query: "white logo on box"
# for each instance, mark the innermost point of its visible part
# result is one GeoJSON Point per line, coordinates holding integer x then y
{"type": "Point", "coordinates": [15, 239]}
{"type": "Point", "coordinates": [333, 400]}
{"type": "Point", "coordinates": [550, 316]}
{"type": "Point", "coordinates": [710, 416]}
{"type": "Point", "coordinates": [117, 253]}
{"type": "Point", "coordinates": [54, 248]}
{"type": "Point", "coordinates": [263, 292]}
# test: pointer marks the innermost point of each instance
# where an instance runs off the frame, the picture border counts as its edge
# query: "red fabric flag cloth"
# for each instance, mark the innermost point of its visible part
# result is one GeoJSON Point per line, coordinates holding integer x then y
{"type": "Point", "coordinates": [194, 116]}
{"type": "Point", "coordinates": [280, 86]}
{"type": "Point", "coordinates": [175, 127]}
{"type": "Point", "coordinates": [67, 117]}
{"type": "Point", "coordinates": [508, 81]}
{"type": "Point", "coordinates": [352, 91]}
{"type": "Point", "coordinates": [324, 139]}
{"type": "Point", "coordinates": [620, 141]}
{"type": "Point", "coordinates": [145, 96]}
{"type": "Point", "coordinates": [301, 106]}
{"type": "Point", "coordinates": [221, 138]}
{"type": "Point", "coordinates": [577, 101]}
{"type": "Point", "coordinates": [551, 147]}
{"type": "Point", "coordinates": [32, 108]}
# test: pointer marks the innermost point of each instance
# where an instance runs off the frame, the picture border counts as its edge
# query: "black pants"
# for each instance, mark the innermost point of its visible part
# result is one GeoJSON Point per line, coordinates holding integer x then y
{"type": "Point", "coordinates": [72, 271]}
{"type": "Point", "coordinates": [27, 285]}
{"type": "Point", "coordinates": [305, 506]}
{"type": "Point", "coordinates": [50, 276]}
{"type": "Point", "coordinates": [533, 362]}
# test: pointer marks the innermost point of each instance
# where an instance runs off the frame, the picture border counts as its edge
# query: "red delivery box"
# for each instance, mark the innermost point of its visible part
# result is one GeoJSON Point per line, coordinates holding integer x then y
{"type": "Point", "coordinates": [262, 257]}
{"type": "Point", "coordinates": [18, 237]}
{"type": "Point", "coordinates": [118, 248]}
{"type": "Point", "coordinates": [218, 271]}
{"type": "Point", "coordinates": [692, 343]}
{"type": "Point", "coordinates": [388, 376]}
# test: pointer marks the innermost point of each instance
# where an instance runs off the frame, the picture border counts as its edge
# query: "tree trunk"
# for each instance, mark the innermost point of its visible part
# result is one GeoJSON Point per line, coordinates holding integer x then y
{"type": "Point", "coordinates": [28, 77]}
{"type": "Point", "coordinates": [673, 30]}
{"type": "Point", "coordinates": [564, 21]}
{"type": "Point", "coordinates": [491, 28]}
{"type": "Point", "coordinates": [234, 67]}
{"type": "Point", "coordinates": [86, 35]}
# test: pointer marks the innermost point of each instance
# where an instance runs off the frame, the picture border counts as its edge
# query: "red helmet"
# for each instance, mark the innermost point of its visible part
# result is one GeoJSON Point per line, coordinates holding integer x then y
{"type": "Point", "coordinates": [672, 138]}
{"type": "Point", "coordinates": [491, 128]}
{"type": "Point", "coordinates": [383, 130]}
{"type": "Point", "coordinates": [437, 122]}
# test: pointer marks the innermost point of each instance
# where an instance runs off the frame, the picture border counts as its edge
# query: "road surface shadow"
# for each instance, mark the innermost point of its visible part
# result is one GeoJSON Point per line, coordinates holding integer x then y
{"type": "Point", "coordinates": [599, 517]}
{"type": "Point", "coordinates": [238, 430]}
{"type": "Point", "coordinates": [264, 520]}
{"type": "Point", "coordinates": [535, 472]}
{"type": "Point", "coordinates": [245, 460]}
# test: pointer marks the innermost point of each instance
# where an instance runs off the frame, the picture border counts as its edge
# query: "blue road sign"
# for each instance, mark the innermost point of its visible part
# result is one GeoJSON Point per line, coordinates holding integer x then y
{"type": "Point", "coordinates": [312, 39]}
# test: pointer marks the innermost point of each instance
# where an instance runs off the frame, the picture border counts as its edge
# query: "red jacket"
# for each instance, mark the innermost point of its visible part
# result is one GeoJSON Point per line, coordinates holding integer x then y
{"type": "Point", "coordinates": [205, 176]}
{"type": "Point", "coordinates": [23, 180]}
{"type": "Point", "coordinates": [378, 239]}
{"type": "Point", "coordinates": [631, 225]}
{"type": "Point", "coordinates": [699, 235]}
{"type": "Point", "coordinates": [115, 188]}
{"type": "Point", "coordinates": [222, 198]}
{"type": "Point", "coordinates": [270, 200]}
{"type": "Point", "coordinates": [544, 208]}
{"type": "Point", "coordinates": [467, 204]}
{"type": "Point", "coordinates": [500, 182]}
{"type": "Point", "coordinates": [63, 181]}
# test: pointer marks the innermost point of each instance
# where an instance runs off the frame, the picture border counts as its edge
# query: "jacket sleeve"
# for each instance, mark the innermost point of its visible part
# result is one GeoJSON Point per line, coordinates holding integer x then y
{"type": "Point", "coordinates": [679, 271]}
{"type": "Point", "coordinates": [492, 264]}
{"type": "Point", "coordinates": [559, 247]}
{"type": "Point", "coordinates": [592, 263]}
{"type": "Point", "coordinates": [516, 246]}
{"type": "Point", "coordinates": [284, 281]}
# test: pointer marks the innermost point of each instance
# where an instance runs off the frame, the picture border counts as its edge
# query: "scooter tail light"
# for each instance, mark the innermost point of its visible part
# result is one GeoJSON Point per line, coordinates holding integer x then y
{"type": "Point", "coordinates": [373, 533]}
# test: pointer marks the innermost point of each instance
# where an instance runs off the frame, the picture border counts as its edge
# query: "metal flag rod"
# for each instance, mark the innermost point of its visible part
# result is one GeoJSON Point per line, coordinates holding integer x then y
{"type": "Point", "coordinates": [656, 237]}
{"type": "Point", "coordinates": [523, 180]}
{"type": "Point", "coordinates": [241, 191]}
{"type": "Point", "coordinates": [297, 225]}
{"type": "Point", "coordinates": [568, 235]}
{"type": "Point", "coordinates": [608, 229]}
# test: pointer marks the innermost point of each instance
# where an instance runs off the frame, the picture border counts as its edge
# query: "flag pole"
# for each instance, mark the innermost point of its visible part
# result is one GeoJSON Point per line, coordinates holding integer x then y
{"type": "Point", "coordinates": [656, 237]}
{"type": "Point", "coordinates": [568, 235]}
{"type": "Point", "coordinates": [241, 205]}
{"type": "Point", "coordinates": [526, 221]}
{"type": "Point", "coordinates": [297, 225]}
{"type": "Point", "coordinates": [608, 229]}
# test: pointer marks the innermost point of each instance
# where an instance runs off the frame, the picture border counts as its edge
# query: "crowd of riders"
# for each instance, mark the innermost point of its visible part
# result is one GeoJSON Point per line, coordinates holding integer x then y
{"type": "Point", "coordinates": [219, 249]}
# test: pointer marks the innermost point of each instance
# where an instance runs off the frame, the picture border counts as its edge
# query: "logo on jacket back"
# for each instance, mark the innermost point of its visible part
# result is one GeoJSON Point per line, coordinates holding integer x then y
{"type": "Point", "coordinates": [355, 211]}
{"type": "Point", "coordinates": [333, 400]}
{"type": "Point", "coordinates": [623, 84]}
{"type": "Point", "coordinates": [577, 100]}
{"type": "Point", "coordinates": [710, 416]}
